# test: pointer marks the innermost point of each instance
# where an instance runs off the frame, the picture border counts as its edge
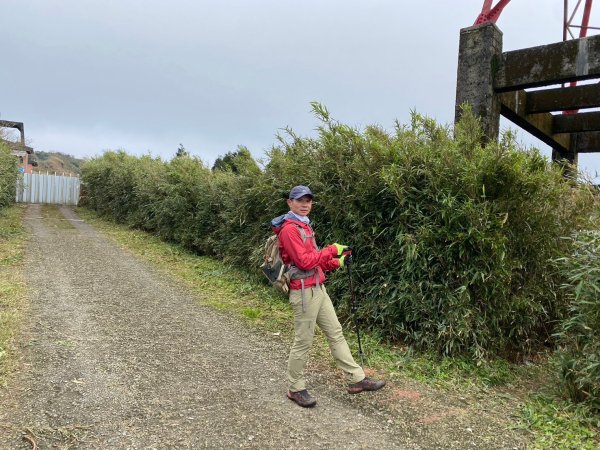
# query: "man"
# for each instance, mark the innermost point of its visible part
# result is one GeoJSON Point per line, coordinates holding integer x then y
{"type": "Point", "coordinates": [309, 299]}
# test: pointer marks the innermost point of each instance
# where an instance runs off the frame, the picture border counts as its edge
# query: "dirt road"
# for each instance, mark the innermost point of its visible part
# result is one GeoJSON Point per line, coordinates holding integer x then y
{"type": "Point", "coordinates": [117, 356]}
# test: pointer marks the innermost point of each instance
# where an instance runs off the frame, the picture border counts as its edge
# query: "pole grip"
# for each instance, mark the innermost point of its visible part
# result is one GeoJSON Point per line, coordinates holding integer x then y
{"type": "Point", "coordinates": [348, 260]}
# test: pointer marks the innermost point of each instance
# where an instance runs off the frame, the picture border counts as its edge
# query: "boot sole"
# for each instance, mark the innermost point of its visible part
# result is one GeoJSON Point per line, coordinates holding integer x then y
{"type": "Point", "coordinates": [364, 390]}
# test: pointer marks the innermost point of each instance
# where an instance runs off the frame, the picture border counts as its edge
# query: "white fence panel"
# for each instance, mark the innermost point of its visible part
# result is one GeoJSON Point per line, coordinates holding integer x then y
{"type": "Point", "coordinates": [46, 188]}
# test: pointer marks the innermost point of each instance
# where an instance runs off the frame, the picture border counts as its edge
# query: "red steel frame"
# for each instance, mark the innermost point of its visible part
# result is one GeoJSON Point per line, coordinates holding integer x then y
{"type": "Point", "coordinates": [491, 14]}
{"type": "Point", "coordinates": [585, 21]}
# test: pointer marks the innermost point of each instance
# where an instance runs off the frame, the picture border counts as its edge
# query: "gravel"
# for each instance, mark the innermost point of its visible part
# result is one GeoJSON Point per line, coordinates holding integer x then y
{"type": "Point", "coordinates": [117, 355]}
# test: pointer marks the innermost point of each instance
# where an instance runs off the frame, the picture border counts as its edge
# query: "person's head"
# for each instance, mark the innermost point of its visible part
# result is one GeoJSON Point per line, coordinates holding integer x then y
{"type": "Point", "coordinates": [300, 200]}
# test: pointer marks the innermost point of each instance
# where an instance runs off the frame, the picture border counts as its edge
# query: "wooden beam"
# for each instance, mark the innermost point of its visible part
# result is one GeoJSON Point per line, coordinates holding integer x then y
{"type": "Point", "coordinates": [586, 142]}
{"type": "Point", "coordinates": [563, 99]}
{"type": "Point", "coordinates": [573, 123]}
{"type": "Point", "coordinates": [513, 107]}
{"type": "Point", "coordinates": [573, 60]}
{"type": "Point", "coordinates": [552, 129]}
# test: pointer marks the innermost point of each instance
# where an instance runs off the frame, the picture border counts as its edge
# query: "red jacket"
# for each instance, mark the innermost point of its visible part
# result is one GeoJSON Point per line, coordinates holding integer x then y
{"type": "Point", "coordinates": [303, 254]}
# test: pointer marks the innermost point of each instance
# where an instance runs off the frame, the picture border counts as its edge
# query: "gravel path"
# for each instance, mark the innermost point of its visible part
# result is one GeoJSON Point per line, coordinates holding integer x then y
{"type": "Point", "coordinates": [118, 356]}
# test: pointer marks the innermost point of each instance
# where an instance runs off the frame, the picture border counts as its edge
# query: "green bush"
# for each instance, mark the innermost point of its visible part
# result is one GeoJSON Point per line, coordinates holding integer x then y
{"type": "Point", "coordinates": [453, 241]}
{"type": "Point", "coordinates": [8, 176]}
{"type": "Point", "coordinates": [184, 212]}
{"type": "Point", "coordinates": [123, 187]}
{"type": "Point", "coordinates": [579, 334]}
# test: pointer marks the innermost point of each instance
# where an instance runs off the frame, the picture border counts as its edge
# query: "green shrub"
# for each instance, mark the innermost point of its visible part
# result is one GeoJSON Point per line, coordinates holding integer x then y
{"type": "Point", "coordinates": [8, 176]}
{"type": "Point", "coordinates": [453, 241]}
{"type": "Point", "coordinates": [579, 334]}
{"type": "Point", "coordinates": [123, 186]}
{"type": "Point", "coordinates": [184, 213]}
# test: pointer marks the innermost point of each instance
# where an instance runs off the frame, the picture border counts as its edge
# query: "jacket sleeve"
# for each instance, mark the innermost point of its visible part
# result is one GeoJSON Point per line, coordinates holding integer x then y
{"type": "Point", "coordinates": [303, 256]}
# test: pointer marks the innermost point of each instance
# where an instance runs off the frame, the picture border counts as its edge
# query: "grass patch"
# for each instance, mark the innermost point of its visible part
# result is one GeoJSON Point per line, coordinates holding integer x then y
{"type": "Point", "coordinates": [53, 218]}
{"type": "Point", "coordinates": [12, 286]}
{"type": "Point", "coordinates": [552, 422]}
{"type": "Point", "coordinates": [252, 313]}
{"type": "Point", "coordinates": [558, 424]}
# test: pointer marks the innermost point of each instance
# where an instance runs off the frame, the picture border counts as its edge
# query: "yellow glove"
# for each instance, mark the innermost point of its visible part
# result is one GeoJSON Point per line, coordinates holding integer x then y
{"type": "Point", "coordinates": [342, 261]}
{"type": "Point", "coordinates": [341, 249]}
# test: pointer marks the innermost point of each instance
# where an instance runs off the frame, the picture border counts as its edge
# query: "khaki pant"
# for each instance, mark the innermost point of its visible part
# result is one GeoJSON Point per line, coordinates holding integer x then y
{"type": "Point", "coordinates": [318, 310]}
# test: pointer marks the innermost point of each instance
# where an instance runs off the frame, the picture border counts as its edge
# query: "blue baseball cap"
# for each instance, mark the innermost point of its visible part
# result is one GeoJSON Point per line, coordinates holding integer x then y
{"type": "Point", "coordinates": [299, 191]}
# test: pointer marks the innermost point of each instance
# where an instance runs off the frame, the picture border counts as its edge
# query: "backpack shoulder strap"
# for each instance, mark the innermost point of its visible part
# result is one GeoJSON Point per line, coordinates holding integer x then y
{"type": "Point", "coordinates": [306, 236]}
{"type": "Point", "coordinates": [302, 233]}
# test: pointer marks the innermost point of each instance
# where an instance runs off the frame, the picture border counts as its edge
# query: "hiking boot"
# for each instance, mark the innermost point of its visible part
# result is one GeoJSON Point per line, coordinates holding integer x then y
{"type": "Point", "coordinates": [303, 398]}
{"type": "Point", "coordinates": [366, 384]}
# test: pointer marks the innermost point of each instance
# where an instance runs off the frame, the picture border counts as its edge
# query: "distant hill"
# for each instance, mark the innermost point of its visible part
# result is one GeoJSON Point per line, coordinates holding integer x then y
{"type": "Point", "coordinates": [57, 162]}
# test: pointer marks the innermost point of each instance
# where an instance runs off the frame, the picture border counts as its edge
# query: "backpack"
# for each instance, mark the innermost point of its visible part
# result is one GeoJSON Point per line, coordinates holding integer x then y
{"type": "Point", "coordinates": [277, 272]}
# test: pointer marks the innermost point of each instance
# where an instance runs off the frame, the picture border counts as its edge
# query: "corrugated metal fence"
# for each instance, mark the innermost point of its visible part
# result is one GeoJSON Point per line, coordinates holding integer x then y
{"type": "Point", "coordinates": [47, 188]}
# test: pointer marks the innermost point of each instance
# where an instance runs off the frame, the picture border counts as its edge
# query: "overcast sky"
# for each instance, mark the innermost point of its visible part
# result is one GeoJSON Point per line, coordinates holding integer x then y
{"type": "Point", "coordinates": [144, 76]}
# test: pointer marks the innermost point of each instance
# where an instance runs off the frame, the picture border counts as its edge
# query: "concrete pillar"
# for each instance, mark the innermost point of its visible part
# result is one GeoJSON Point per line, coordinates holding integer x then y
{"type": "Point", "coordinates": [479, 53]}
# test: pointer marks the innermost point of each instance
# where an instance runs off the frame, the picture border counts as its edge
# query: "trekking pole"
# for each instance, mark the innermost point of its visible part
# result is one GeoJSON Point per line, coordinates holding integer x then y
{"type": "Point", "coordinates": [354, 310]}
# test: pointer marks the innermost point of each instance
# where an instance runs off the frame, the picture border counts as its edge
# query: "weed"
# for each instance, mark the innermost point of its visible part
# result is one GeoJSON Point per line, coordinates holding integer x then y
{"type": "Point", "coordinates": [12, 287]}
{"type": "Point", "coordinates": [557, 424]}
{"type": "Point", "coordinates": [251, 313]}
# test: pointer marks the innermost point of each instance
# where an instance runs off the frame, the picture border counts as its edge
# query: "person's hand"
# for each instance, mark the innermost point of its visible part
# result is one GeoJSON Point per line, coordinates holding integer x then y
{"type": "Point", "coordinates": [342, 261]}
{"type": "Point", "coordinates": [341, 249]}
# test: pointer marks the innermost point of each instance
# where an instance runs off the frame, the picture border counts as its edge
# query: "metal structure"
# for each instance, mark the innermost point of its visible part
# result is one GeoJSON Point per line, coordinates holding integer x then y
{"type": "Point", "coordinates": [495, 83]}
{"type": "Point", "coordinates": [569, 16]}
{"type": "Point", "coordinates": [489, 14]}
{"type": "Point", "coordinates": [47, 188]}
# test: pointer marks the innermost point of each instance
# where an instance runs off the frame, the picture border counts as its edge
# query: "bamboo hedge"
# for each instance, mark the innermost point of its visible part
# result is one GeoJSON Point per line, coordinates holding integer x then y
{"type": "Point", "coordinates": [454, 242]}
{"type": "Point", "coordinates": [578, 355]}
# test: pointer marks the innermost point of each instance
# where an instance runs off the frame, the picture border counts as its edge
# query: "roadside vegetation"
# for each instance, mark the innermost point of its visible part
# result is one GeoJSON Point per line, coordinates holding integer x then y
{"type": "Point", "coordinates": [468, 258]}
{"type": "Point", "coordinates": [12, 285]}
{"type": "Point", "coordinates": [12, 289]}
